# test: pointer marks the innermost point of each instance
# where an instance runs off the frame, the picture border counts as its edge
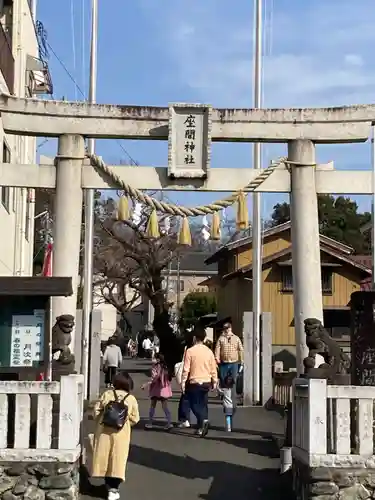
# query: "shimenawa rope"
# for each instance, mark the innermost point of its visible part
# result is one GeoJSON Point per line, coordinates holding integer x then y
{"type": "Point", "coordinates": [172, 209]}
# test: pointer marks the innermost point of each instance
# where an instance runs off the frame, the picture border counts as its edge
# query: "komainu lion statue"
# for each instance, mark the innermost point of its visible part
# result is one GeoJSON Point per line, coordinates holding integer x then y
{"type": "Point", "coordinates": [335, 362]}
{"type": "Point", "coordinates": [61, 339]}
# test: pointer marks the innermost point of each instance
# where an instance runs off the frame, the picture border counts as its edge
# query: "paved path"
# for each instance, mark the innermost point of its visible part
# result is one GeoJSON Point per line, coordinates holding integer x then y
{"type": "Point", "coordinates": [242, 464]}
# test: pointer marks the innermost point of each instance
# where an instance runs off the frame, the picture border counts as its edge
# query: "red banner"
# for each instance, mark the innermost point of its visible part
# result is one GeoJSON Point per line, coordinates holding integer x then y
{"type": "Point", "coordinates": [47, 263]}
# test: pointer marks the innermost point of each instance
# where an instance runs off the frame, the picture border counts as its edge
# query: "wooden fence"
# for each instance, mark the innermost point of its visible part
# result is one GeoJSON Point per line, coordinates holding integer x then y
{"type": "Point", "coordinates": [332, 425]}
{"type": "Point", "coordinates": [41, 421]}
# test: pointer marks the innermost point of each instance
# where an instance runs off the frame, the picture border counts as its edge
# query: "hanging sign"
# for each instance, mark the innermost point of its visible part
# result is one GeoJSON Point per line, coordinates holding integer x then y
{"type": "Point", "coordinates": [189, 142]}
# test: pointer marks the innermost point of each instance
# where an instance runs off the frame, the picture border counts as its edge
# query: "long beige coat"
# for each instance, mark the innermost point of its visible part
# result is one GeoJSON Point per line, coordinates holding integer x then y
{"type": "Point", "coordinates": [111, 447]}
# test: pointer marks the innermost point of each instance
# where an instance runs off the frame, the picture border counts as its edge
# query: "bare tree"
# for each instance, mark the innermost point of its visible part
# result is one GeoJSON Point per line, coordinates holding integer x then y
{"type": "Point", "coordinates": [129, 265]}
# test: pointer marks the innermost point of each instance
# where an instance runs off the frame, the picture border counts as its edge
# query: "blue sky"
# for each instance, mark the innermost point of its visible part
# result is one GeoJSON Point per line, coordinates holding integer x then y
{"type": "Point", "coordinates": [316, 53]}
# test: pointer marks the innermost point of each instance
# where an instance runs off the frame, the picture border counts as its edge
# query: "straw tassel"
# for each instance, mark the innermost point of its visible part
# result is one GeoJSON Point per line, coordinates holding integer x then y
{"type": "Point", "coordinates": [242, 221]}
{"type": "Point", "coordinates": [184, 236]}
{"type": "Point", "coordinates": [215, 226]}
{"type": "Point", "coordinates": [152, 229]}
{"type": "Point", "coordinates": [123, 211]}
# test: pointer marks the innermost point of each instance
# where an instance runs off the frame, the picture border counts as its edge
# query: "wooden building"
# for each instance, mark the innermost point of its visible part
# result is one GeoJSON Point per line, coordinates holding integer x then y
{"type": "Point", "coordinates": [342, 274]}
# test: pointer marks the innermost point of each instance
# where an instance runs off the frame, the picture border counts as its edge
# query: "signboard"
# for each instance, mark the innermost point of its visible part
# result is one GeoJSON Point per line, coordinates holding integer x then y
{"type": "Point", "coordinates": [363, 338]}
{"type": "Point", "coordinates": [27, 339]}
{"type": "Point", "coordinates": [189, 142]}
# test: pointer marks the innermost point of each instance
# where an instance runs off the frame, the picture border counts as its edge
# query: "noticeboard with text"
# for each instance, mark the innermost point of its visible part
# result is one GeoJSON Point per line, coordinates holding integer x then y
{"type": "Point", "coordinates": [23, 328]}
{"type": "Point", "coordinates": [27, 339]}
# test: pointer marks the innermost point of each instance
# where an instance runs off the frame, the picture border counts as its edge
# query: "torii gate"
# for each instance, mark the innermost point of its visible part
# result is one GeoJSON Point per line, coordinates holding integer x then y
{"type": "Point", "coordinates": [301, 128]}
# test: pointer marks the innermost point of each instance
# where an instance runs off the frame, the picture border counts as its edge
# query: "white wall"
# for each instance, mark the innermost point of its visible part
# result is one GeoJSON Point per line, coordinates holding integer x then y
{"type": "Point", "coordinates": [109, 320]}
{"type": "Point", "coordinates": [16, 250]}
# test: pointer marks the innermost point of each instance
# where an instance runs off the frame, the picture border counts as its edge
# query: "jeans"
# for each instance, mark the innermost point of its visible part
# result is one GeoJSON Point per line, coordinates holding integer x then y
{"type": "Point", "coordinates": [225, 368]}
{"type": "Point", "coordinates": [198, 399]}
{"type": "Point", "coordinates": [184, 408]}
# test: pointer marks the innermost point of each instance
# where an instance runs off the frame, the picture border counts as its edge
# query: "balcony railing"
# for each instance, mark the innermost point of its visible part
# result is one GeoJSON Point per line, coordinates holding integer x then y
{"type": "Point", "coordinates": [6, 59]}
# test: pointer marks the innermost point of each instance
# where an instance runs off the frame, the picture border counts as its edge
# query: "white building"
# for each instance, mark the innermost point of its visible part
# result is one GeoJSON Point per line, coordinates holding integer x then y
{"type": "Point", "coordinates": [24, 74]}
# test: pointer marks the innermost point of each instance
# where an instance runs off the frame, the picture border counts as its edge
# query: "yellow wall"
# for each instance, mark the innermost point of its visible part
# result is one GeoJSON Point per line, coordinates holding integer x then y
{"type": "Point", "coordinates": [271, 245]}
{"type": "Point", "coordinates": [345, 281]}
{"type": "Point", "coordinates": [235, 296]}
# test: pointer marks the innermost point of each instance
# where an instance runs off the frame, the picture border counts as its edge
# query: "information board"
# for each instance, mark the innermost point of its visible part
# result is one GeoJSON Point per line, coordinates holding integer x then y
{"type": "Point", "coordinates": [363, 338]}
{"type": "Point", "coordinates": [27, 339]}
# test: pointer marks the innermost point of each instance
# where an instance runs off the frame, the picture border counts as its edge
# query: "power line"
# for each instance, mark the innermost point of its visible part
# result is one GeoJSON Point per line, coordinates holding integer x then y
{"type": "Point", "coordinates": [66, 70]}
{"type": "Point", "coordinates": [132, 160]}
{"type": "Point", "coordinates": [72, 24]}
{"type": "Point", "coordinates": [83, 45]}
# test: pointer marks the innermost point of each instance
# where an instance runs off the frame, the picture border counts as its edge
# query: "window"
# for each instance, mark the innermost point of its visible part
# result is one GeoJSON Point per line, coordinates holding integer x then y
{"type": "Point", "coordinates": [5, 190]}
{"type": "Point", "coordinates": [287, 281]}
{"type": "Point", "coordinates": [27, 221]}
{"type": "Point", "coordinates": [172, 284]}
{"type": "Point", "coordinates": [327, 287]}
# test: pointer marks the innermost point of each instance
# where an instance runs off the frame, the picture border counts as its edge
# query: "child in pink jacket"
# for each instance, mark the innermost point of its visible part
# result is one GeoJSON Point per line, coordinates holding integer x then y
{"type": "Point", "coordinates": [160, 389]}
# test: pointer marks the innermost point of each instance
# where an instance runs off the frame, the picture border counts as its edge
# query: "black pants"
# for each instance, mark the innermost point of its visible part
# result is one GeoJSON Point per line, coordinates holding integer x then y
{"type": "Point", "coordinates": [198, 399]}
{"type": "Point", "coordinates": [109, 374]}
{"type": "Point", "coordinates": [112, 483]}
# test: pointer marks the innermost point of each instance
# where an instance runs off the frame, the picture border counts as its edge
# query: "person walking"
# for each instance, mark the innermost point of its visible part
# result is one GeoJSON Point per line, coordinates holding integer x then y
{"type": "Point", "coordinates": [199, 375]}
{"type": "Point", "coordinates": [184, 404]}
{"type": "Point", "coordinates": [148, 347]}
{"type": "Point", "coordinates": [111, 443]}
{"type": "Point", "coordinates": [112, 360]}
{"type": "Point", "coordinates": [228, 352]}
{"type": "Point", "coordinates": [160, 389]}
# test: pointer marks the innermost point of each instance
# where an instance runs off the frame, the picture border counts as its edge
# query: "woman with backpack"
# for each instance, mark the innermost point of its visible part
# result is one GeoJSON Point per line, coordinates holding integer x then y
{"type": "Point", "coordinates": [116, 412]}
{"type": "Point", "coordinates": [160, 389]}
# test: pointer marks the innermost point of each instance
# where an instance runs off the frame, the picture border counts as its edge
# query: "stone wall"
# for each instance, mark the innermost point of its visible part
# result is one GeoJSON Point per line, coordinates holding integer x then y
{"type": "Point", "coordinates": [39, 481]}
{"type": "Point", "coordinates": [332, 483]}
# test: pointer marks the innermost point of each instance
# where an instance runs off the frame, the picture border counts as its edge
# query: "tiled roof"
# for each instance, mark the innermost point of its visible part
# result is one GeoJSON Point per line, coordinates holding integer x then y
{"type": "Point", "coordinates": [270, 232]}
{"type": "Point", "coordinates": [366, 284]}
{"type": "Point", "coordinates": [349, 259]}
{"type": "Point", "coordinates": [365, 260]}
{"type": "Point", "coordinates": [194, 262]}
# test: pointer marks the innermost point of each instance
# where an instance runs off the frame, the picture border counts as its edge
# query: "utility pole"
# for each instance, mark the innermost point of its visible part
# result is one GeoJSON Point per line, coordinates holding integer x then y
{"type": "Point", "coordinates": [257, 221]}
{"type": "Point", "coordinates": [178, 284]}
{"type": "Point", "coordinates": [373, 211]}
{"type": "Point", "coordinates": [89, 216]}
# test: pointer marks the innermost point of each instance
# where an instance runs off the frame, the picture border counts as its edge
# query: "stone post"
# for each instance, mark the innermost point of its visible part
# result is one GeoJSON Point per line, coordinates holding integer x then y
{"type": "Point", "coordinates": [307, 283]}
{"type": "Point", "coordinates": [68, 221]}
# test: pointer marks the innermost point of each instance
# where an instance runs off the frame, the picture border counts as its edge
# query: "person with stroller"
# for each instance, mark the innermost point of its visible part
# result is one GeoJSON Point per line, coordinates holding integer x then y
{"type": "Point", "coordinates": [228, 352]}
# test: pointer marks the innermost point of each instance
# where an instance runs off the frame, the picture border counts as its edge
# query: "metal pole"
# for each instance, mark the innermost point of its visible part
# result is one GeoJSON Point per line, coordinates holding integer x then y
{"type": "Point", "coordinates": [47, 241]}
{"type": "Point", "coordinates": [257, 221]}
{"type": "Point", "coordinates": [89, 214]}
{"type": "Point", "coordinates": [178, 285]}
{"type": "Point", "coordinates": [373, 211]}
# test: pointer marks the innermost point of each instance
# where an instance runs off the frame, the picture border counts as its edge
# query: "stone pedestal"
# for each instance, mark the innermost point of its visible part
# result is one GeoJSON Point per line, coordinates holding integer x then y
{"type": "Point", "coordinates": [39, 481]}
{"type": "Point", "coordinates": [333, 483]}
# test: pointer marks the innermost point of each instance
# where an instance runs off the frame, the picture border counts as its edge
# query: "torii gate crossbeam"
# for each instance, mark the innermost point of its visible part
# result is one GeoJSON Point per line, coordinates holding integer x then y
{"type": "Point", "coordinates": [300, 128]}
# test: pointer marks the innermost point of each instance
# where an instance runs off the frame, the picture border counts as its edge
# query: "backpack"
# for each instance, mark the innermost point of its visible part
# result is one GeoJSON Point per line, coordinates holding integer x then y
{"type": "Point", "coordinates": [115, 413]}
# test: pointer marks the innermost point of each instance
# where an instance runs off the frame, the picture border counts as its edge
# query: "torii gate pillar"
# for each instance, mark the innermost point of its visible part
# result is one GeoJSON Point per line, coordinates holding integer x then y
{"type": "Point", "coordinates": [305, 243]}
{"type": "Point", "coordinates": [68, 221]}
